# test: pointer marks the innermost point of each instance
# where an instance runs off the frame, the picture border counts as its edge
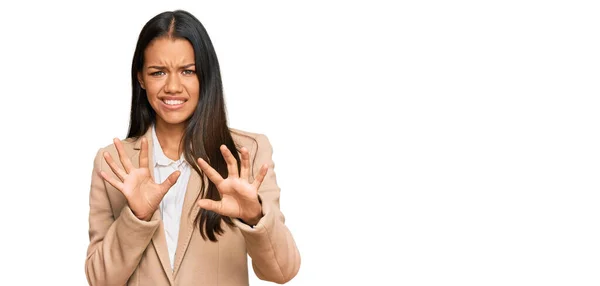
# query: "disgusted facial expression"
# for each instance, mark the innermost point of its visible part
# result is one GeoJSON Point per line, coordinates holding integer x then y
{"type": "Point", "coordinates": [169, 78]}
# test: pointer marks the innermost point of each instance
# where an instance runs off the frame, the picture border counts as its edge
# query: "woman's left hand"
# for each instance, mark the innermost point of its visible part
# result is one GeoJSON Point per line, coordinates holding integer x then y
{"type": "Point", "coordinates": [239, 198]}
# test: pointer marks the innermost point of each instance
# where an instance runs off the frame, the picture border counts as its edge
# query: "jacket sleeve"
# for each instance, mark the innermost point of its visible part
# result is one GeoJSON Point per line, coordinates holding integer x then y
{"type": "Point", "coordinates": [116, 244]}
{"type": "Point", "coordinates": [270, 244]}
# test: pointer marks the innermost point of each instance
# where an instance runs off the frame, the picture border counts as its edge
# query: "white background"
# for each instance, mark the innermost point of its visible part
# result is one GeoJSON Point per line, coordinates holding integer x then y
{"type": "Point", "coordinates": [415, 142]}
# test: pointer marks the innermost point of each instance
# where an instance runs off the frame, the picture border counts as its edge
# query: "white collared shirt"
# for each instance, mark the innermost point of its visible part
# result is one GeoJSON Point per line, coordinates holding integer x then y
{"type": "Point", "coordinates": [171, 205]}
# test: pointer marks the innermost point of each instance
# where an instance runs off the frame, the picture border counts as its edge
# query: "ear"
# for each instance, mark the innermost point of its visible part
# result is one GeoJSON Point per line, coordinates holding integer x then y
{"type": "Point", "coordinates": [141, 80]}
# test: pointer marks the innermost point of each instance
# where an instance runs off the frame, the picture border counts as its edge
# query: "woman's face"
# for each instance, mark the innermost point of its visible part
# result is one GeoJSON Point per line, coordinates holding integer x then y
{"type": "Point", "coordinates": [169, 78]}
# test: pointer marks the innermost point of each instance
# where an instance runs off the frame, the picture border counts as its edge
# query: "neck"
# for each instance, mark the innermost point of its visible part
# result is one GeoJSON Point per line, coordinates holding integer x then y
{"type": "Point", "coordinates": [169, 136]}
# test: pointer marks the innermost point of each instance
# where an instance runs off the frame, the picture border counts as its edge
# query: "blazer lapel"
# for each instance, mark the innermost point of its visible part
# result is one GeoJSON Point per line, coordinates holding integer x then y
{"type": "Point", "coordinates": [159, 241]}
{"type": "Point", "coordinates": [188, 216]}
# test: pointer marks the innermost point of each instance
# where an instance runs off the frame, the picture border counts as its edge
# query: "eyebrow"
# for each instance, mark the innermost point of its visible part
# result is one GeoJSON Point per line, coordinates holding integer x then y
{"type": "Point", "coordinates": [163, 67]}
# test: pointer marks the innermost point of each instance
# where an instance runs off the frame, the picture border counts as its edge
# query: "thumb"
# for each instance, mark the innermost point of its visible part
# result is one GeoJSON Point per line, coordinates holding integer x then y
{"type": "Point", "coordinates": [171, 180]}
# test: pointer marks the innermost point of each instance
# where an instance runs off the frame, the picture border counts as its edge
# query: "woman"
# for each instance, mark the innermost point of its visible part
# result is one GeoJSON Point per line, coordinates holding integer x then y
{"type": "Point", "coordinates": [171, 204]}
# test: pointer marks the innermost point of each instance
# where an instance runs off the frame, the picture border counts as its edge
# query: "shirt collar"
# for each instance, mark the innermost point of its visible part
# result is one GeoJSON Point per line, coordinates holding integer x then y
{"type": "Point", "coordinates": [160, 158]}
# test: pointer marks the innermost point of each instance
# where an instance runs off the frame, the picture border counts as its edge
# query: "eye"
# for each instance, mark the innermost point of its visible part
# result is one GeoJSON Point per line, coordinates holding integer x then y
{"type": "Point", "coordinates": [158, 73]}
{"type": "Point", "coordinates": [189, 72]}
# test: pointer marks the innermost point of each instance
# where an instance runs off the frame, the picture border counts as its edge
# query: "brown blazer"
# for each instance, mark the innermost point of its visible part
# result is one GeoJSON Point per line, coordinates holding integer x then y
{"type": "Point", "coordinates": [124, 250]}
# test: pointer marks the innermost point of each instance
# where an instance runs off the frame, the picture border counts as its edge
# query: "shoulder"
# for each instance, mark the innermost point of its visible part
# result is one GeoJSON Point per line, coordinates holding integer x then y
{"type": "Point", "coordinates": [129, 145]}
{"type": "Point", "coordinates": [244, 137]}
{"type": "Point", "coordinates": [250, 140]}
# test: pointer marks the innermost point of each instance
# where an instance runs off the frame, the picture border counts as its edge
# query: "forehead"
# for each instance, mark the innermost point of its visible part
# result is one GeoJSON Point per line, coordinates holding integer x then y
{"type": "Point", "coordinates": [169, 51]}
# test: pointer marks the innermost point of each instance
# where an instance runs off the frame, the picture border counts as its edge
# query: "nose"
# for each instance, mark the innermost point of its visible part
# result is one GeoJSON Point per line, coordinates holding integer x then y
{"type": "Point", "coordinates": [173, 84]}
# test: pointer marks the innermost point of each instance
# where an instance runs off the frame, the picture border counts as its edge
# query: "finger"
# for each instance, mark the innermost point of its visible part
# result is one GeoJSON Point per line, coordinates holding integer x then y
{"type": "Point", "coordinates": [113, 166]}
{"type": "Point", "coordinates": [211, 173]}
{"type": "Point", "coordinates": [231, 162]}
{"type": "Point", "coordinates": [245, 164]}
{"type": "Point", "coordinates": [123, 156]}
{"type": "Point", "coordinates": [114, 182]}
{"type": "Point", "coordinates": [170, 181]}
{"type": "Point", "coordinates": [261, 176]}
{"type": "Point", "coordinates": [144, 153]}
{"type": "Point", "coordinates": [210, 205]}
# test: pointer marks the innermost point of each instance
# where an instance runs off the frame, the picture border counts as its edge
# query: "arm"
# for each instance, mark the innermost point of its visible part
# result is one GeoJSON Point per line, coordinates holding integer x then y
{"type": "Point", "coordinates": [116, 245]}
{"type": "Point", "coordinates": [270, 244]}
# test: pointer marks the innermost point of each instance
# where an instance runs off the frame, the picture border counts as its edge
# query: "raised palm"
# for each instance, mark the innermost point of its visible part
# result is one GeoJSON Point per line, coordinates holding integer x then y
{"type": "Point", "coordinates": [239, 198]}
{"type": "Point", "coordinates": [136, 184]}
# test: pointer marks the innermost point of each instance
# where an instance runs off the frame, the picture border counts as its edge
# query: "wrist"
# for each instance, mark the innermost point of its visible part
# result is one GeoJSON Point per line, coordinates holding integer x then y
{"type": "Point", "coordinates": [144, 217]}
{"type": "Point", "coordinates": [252, 221]}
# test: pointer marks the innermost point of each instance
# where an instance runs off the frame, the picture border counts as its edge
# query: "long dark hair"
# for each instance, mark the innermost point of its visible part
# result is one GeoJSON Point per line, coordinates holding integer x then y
{"type": "Point", "coordinates": [207, 128]}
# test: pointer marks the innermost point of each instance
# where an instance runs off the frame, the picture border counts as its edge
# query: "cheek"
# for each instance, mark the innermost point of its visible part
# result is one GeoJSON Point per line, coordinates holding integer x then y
{"type": "Point", "coordinates": [153, 88]}
{"type": "Point", "coordinates": [193, 89]}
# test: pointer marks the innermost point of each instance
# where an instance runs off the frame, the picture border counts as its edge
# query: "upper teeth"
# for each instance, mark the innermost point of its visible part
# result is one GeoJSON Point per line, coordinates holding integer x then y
{"type": "Point", "coordinates": [173, 102]}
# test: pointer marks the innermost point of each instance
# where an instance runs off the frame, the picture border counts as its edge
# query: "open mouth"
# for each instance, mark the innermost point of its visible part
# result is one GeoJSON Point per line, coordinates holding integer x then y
{"type": "Point", "coordinates": [173, 102]}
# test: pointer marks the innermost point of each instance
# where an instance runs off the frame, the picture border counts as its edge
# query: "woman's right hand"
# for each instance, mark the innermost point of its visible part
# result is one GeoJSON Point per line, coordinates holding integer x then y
{"type": "Point", "coordinates": [136, 184]}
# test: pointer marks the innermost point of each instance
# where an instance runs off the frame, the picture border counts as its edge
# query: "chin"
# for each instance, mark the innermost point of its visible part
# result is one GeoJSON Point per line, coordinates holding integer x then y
{"type": "Point", "coordinates": [174, 120]}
